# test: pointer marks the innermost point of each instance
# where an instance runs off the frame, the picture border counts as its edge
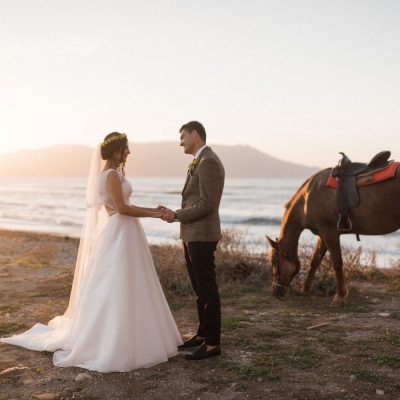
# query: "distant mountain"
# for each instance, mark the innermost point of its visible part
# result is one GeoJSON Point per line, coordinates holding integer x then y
{"type": "Point", "coordinates": [147, 159]}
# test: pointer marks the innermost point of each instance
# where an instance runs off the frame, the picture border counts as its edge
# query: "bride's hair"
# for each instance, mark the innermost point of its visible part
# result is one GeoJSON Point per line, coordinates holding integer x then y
{"type": "Point", "coordinates": [112, 143]}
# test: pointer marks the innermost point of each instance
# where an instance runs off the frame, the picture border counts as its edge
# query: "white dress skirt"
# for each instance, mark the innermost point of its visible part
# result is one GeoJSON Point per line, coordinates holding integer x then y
{"type": "Point", "coordinates": [121, 319]}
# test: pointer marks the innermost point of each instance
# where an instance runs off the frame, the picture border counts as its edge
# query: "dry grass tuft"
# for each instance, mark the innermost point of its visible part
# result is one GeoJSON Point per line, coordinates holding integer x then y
{"type": "Point", "coordinates": [234, 263]}
{"type": "Point", "coordinates": [170, 264]}
{"type": "Point", "coordinates": [358, 266]}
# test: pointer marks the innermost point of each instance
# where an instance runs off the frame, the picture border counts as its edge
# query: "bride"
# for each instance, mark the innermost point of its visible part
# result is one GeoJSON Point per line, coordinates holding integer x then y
{"type": "Point", "coordinates": [117, 317]}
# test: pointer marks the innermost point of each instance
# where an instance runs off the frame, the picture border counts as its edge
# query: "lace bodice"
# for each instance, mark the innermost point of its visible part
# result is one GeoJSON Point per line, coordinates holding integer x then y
{"type": "Point", "coordinates": [105, 195]}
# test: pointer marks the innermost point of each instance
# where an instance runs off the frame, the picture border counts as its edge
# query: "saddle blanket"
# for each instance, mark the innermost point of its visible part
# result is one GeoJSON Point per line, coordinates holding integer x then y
{"type": "Point", "coordinates": [369, 178]}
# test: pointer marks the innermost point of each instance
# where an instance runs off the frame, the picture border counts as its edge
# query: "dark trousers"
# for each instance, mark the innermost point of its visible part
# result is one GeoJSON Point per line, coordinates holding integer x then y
{"type": "Point", "coordinates": [200, 264]}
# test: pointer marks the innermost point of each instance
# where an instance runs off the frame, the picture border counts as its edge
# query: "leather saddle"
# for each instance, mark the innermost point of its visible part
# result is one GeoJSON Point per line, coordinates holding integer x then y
{"type": "Point", "coordinates": [347, 196]}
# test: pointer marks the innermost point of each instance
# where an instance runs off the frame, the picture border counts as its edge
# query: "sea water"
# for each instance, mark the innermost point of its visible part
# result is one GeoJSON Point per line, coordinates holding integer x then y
{"type": "Point", "coordinates": [253, 207]}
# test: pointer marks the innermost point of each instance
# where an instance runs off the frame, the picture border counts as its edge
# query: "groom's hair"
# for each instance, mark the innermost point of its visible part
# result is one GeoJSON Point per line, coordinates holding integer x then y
{"type": "Point", "coordinates": [195, 125]}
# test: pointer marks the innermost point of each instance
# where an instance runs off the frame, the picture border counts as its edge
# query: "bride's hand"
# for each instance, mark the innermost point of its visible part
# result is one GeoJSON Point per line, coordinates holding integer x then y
{"type": "Point", "coordinates": [158, 213]}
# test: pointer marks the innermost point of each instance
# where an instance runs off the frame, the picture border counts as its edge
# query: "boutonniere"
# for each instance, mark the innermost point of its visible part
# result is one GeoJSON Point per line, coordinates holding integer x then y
{"type": "Point", "coordinates": [192, 166]}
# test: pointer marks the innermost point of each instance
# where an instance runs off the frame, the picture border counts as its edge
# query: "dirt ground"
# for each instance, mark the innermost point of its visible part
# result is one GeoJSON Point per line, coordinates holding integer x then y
{"type": "Point", "coordinates": [301, 348]}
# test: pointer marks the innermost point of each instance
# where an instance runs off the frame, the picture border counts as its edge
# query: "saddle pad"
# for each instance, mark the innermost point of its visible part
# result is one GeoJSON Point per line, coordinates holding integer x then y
{"type": "Point", "coordinates": [370, 178]}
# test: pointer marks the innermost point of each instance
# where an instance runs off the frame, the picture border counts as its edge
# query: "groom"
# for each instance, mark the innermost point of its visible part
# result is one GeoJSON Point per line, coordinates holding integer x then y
{"type": "Point", "coordinates": [200, 232]}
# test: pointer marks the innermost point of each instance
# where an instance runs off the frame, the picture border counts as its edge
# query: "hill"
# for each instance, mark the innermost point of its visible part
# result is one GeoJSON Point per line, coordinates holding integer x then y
{"type": "Point", "coordinates": [159, 159]}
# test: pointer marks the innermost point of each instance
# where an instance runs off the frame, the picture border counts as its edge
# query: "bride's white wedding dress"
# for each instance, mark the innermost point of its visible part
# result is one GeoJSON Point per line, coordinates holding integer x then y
{"type": "Point", "coordinates": [118, 318]}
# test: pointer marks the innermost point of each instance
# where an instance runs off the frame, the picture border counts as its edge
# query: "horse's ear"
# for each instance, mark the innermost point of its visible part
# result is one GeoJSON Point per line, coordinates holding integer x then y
{"type": "Point", "coordinates": [272, 243]}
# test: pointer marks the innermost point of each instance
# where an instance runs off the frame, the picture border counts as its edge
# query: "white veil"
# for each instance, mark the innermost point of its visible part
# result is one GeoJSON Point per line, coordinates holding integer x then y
{"type": "Point", "coordinates": [93, 224]}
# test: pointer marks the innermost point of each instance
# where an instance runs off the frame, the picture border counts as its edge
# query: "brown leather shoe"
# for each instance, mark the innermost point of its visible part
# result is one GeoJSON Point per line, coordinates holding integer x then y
{"type": "Point", "coordinates": [202, 353]}
{"type": "Point", "coordinates": [192, 342]}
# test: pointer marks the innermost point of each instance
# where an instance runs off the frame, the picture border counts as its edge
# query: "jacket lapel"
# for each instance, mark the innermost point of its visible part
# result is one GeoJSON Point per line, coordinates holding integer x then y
{"type": "Point", "coordinates": [186, 182]}
{"type": "Point", "coordinates": [199, 158]}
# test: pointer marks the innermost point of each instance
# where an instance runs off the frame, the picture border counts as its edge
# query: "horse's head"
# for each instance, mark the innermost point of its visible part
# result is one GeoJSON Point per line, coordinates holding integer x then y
{"type": "Point", "coordinates": [283, 269]}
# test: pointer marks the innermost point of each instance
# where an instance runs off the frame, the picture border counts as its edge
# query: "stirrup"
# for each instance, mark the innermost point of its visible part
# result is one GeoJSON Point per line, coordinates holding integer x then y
{"type": "Point", "coordinates": [348, 224]}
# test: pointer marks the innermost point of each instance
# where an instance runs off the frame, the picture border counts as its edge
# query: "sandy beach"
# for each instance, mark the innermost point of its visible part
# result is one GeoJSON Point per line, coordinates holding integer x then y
{"type": "Point", "coordinates": [298, 349]}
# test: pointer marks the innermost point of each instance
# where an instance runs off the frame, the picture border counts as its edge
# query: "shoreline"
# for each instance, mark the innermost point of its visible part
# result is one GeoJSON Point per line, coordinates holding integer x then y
{"type": "Point", "coordinates": [13, 240]}
{"type": "Point", "coordinates": [39, 233]}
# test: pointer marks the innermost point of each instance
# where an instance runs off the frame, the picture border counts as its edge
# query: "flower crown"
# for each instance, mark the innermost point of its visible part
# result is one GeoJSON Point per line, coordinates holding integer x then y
{"type": "Point", "coordinates": [113, 138]}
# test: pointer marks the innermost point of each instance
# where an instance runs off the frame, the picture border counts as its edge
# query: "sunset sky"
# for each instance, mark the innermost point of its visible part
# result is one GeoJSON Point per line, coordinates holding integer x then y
{"type": "Point", "coordinates": [299, 80]}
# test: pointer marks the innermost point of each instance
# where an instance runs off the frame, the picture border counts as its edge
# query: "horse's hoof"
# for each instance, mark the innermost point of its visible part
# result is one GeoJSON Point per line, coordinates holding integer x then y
{"type": "Point", "coordinates": [339, 301]}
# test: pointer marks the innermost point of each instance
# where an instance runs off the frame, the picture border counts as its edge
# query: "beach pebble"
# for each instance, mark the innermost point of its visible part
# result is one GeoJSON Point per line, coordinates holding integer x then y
{"type": "Point", "coordinates": [379, 392]}
{"type": "Point", "coordinates": [352, 377]}
{"type": "Point", "coordinates": [384, 314]}
{"type": "Point", "coordinates": [83, 376]}
{"type": "Point", "coordinates": [28, 381]}
{"type": "Point", "coordinates": [45, 396]}
{"type": "Point", "coordinates": [12, 370]}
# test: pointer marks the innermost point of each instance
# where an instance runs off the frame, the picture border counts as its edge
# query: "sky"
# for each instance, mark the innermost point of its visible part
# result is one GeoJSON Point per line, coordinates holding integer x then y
{"type": "Point", "coordinates": [300, 80]}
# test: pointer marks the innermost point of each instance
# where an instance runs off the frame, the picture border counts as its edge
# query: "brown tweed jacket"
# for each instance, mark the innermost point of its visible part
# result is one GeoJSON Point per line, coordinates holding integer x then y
{"type": "Point", "coordinates": [201, 195]}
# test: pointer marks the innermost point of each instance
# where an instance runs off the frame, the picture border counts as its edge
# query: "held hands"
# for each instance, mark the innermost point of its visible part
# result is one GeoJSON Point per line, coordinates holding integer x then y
{"type": "Point", "coordinates": [167, 214]}
{"type": "Point", "coordinates": [157, 213]}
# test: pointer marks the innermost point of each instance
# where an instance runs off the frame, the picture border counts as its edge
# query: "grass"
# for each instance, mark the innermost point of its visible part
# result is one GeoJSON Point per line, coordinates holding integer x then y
{"type": "Point", "coordinates": [244, 286]}
{"type": "Point", "coordinates": [262, 346]}
{"type": "Point", "coordinates": [6, 328]}
{"type": "Point", "coordinates": [8, 309]}
{"type": "Point", "coordinates": [271, 334]}
{"type": "Point", "coordinates": [235, 264]}
{"type": "Point", "coordinates": [293, 323]}
{"type": "Point", "coordinates": [392, 361]}
{"type": "Point", "coordinates": [357, 266]}
{"type": "Point", "coordinates": [368, 375]}
{"type": "Point", "coordinates": [305, 357]}
{"type": "Point", "coordinates": [332, 341]}
{"type": "Point", "coordinates": [259, 369]}
{"type": "Point", "coordinates": [265, 342]}
{"type": "Point", "coordinates": [389, 337]}
{"type": "Point", "coordinates": [231, 322]}
{"type": "Point", "coordinates": [213, 380]}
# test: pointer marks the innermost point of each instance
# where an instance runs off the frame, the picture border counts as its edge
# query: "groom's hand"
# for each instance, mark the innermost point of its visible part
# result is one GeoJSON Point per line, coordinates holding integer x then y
{"type": "Point", "coordinates": [168, 215]}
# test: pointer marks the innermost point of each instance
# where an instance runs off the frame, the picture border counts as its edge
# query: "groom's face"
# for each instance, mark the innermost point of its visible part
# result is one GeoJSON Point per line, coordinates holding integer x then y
{"type": "Point", "coordinates": [187, 141]}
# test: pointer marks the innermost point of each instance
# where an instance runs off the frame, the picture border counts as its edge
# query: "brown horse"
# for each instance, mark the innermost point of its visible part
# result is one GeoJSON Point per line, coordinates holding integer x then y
{"type": "Point", "coordinates": [314, 207]}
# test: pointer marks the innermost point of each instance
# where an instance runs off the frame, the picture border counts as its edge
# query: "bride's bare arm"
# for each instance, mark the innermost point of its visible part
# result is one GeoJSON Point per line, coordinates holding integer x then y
{"type": "Point", "coordinates": [114, 187]}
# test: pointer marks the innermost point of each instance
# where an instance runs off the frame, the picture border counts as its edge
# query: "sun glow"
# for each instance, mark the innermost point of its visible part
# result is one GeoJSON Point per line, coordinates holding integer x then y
{"type": "Point", "coordinates": [278, 78]}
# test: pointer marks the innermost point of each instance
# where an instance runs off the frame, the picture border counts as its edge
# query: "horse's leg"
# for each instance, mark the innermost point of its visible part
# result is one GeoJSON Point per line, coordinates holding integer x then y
{"type": "Point", "coordinates": [332, 241]}
{"type": "Point", "coordinates": [319, 253]}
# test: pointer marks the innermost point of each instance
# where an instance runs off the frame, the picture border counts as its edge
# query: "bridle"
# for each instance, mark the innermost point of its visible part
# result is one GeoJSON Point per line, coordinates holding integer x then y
{"type": "Point", "coordinates": [279, 254]}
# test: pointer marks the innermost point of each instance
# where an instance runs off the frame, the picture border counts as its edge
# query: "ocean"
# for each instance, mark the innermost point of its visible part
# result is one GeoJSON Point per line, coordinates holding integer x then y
{"type": "Point", "coordinates": [254, 207]}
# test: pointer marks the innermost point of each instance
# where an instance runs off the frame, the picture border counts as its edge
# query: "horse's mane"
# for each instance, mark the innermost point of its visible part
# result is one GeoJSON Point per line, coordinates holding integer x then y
{"type": "Point", "coordinates": [296, 195]}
